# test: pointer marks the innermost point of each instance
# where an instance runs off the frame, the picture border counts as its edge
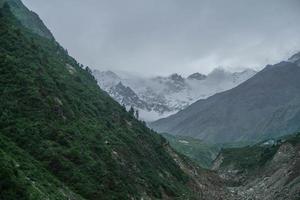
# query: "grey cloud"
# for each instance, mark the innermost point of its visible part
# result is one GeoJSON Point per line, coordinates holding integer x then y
{"type": "Point", "coordinates": [166, 36]}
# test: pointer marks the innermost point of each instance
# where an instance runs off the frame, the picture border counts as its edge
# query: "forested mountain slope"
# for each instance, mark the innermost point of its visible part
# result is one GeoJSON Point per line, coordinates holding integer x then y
{"type": "Point", "coordinates": [28, 18]}
{"type": "Point", "coordinates": [64, 138]}
{"type": "Point", "coordinates": [199, 151]}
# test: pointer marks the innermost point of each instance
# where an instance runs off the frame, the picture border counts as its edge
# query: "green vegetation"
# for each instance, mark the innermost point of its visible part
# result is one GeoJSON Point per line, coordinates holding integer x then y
{"type": "Point", "coordinates": [59, 127]}
{"type": "Point", "coordinates": [22, 177]}
{"type": "Point", "coordinates": [201, 152]}
{"type": "Point", "coordinates": [292, 139]}
{"type": "Point", "coordinates": [255, 156]}
{"type": "Point", "coordinates": [28, 18]}
{"type": "Point", "coordinates": [197, 150]}
{"type": "Point", "coordinates": [248, 157]}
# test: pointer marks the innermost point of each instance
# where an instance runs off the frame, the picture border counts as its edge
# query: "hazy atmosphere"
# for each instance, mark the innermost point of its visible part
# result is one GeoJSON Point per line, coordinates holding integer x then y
{"type": "Point", "coordinates": [163, 37]}
{"type": "Point", "coordinates": [156, 99]}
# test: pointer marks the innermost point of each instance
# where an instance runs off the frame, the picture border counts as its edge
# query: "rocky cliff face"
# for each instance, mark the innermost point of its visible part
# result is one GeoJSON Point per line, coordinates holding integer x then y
{"type": "Point", "coordinates": [274, 175]}
{"type": "Point", "coordinates": [163, 96]}
{"type": "Point", "coordinates": [197, 76]}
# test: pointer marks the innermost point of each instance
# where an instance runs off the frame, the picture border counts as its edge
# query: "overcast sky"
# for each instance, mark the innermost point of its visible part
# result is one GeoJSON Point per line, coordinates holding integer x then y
{"type": "Point", "coordinates": [166, 36]}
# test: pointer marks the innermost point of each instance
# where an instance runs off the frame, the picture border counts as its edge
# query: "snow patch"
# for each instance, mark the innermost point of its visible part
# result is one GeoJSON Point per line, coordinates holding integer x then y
{"type": "Point", "coordinates": [183, 141]}
{"type": "Point", "coordinates": [159, 97]}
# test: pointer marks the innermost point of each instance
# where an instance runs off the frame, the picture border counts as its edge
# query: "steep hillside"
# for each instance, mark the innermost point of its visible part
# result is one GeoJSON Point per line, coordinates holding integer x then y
{"type": "Point", "coordinates": [28, 18]}
{"type": "Point", "coordinates": [266, 105]}
{"type": "Point", "coordinates": [269, 170]}
{"type": "Point", "coordinates": [197, 150]}
{"type": "Point", "coordinates": [22, 177]}
{"type": "Point", "coordinates": [56, 123]}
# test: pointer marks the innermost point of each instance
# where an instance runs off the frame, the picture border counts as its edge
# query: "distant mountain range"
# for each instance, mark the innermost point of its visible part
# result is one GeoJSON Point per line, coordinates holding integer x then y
{"type": "Point", "coordinates": [62, 137]}
{"type": "Point", "coordinates": [160, 96]}
{"type": "Point", "coordinates": [266, 105]}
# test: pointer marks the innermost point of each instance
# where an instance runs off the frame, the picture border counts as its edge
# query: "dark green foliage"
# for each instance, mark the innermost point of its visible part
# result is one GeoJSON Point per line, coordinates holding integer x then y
{"type": "Point", "coordinates": [256, 156]}
{"type": "Point", "coordinates": [131, 111]}
{"type": "Point", "coordinates": [292, 139]}
{"type": "Point", "coordinates": [28, 18]}
{"type": "Point", "coordinates": [248, 157]}
{"type": "Point", "coordinates": [199, 151]}
{"type": "Point", "coordinates": [10, 183]}
{"type": "Point", "coordinates": [21, 177]}
{"type": "Point", "coordinates": [53, 110]}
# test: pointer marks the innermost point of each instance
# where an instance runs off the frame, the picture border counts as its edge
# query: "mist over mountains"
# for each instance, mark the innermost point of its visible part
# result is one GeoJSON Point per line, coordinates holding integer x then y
{"type": "Point", "coordinates": [62, 137]}
{"type": "Point", "coordinates": [265, 106]}
{"type": "Point", "coordinates": [158, 97]}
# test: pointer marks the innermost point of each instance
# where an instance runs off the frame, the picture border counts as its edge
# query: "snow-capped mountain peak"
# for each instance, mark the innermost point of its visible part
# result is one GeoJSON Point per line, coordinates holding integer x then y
{"type": "Point", "coordinates": [160, 96]}
{"type": "Point", "coordinates": [106, 79]}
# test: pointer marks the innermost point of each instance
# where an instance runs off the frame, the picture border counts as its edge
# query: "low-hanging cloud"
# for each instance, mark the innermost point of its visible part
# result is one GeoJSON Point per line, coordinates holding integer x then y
{"type": "Point", "coordinates": [166, 36]}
